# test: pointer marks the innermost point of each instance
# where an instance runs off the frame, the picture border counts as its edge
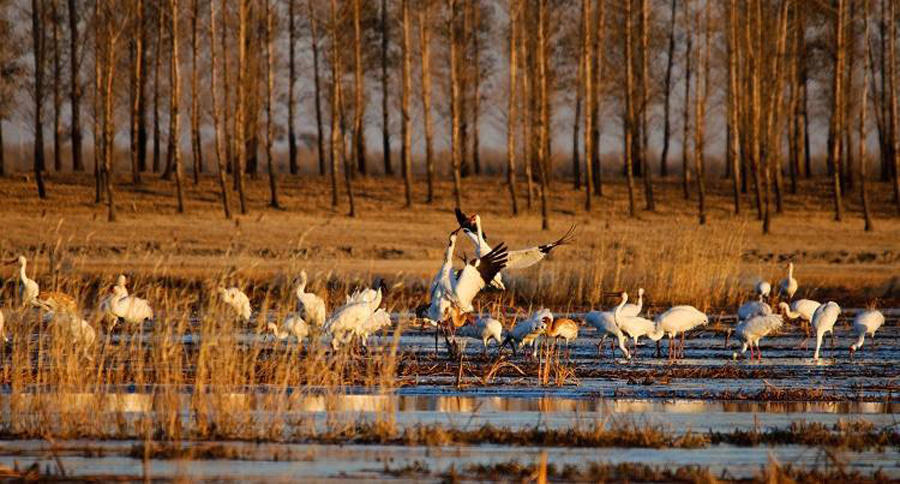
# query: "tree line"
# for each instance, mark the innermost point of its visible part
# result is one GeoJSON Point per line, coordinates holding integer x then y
{"type": "Point", "coordinates": [776, 69]}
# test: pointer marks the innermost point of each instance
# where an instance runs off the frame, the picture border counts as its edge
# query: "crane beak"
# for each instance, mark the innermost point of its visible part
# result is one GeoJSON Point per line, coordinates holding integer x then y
{"type": "Point", "coordinates": [456, 231]}
{"type": "Point", "coordinates": [613, 294]}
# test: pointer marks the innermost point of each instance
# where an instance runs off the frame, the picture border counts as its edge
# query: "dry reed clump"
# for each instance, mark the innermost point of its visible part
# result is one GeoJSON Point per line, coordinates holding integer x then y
{"type": "Point", "coordinates": [595, 472]}
{"type": "Point", "coordinates": [855, 435]}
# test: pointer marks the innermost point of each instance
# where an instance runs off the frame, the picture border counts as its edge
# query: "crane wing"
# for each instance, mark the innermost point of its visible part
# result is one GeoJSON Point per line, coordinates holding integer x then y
{"type": "Point", "coordinates": [474, 277]}
{"type": "Point", "coordinates": [520, 259]}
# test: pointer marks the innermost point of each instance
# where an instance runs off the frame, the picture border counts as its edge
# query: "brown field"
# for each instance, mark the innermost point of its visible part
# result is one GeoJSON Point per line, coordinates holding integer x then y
{"type": "Point", "coordinates": [664, 251]}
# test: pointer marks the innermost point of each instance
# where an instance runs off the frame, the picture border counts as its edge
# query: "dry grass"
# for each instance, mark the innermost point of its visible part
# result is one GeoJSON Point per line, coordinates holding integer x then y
{"type": "Point", "coordinates": [665, 251]}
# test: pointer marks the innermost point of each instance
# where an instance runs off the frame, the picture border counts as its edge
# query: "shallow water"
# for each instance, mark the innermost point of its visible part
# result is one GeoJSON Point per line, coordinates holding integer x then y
{"type": "Point", "coordinates": [645, 389]}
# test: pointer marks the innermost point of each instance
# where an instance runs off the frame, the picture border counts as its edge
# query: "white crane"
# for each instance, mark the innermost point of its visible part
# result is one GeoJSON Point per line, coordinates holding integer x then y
{"type": "Point", "coordinates": [104, 308]}
{"type": "Point", "coordinates": [823, 322]}
{"type": "Point", "coordinates": [452, 294]}
{"type": "Point", "coordinates": [518, 259]}
{"type": "Point", "coordinates": [635, 326]}
{"type": "Point", "coordinates": [348, 320]}
{"type": "Point", "coordinates": [2, 324]}
{"type": "Point", "coordinates": [131, 309]}
{"type": "Point", "coordinates": [293, 325]}
{"type": "Point", "coordinates": [236, 300]}
{"type": "Point", "coordinates": [310, 306]}
{"type": "Point", "coordinates": [802, 309]}
{"type": "Point", "coordinates": [605, 324]}
{"type": "Point", "coordinates": [788, 285]}
{"type": "Point", "coordinates": [483, 329]}
{"type": "Point", "coordinates": [750, 331]}
{"type": "Point", "coordinates": [679, 319]}
{"type": "Point", "coordinates": [763, 289]}
{"type": "Point", "coordinates": [526, 332]}
{"type": "Point", "coordinates": [753, 308]}
{"type": "Point", "coordinates": [866, 322]}
{"type": "Point", "coordinates": [76, 329]}
{"type": "Point", "coordinates": [28, 288]}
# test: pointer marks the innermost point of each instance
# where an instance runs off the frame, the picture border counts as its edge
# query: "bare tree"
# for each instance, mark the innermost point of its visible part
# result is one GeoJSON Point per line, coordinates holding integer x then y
{"type": "Point", "coordinates": [514, 14]}
{"type": "Point", "coordinates": [670, 62]}
{"type": "Point", "coordinates": [645, 102]}
{"type": "Point", "coordinates": [686, 104]}
{"type": "Point", "coordinates": [543, 156]}
{"type": "Point", "coordinates": [861, 138]}
{"type": "Point", "coordinates": [587, 69]}
{"type": "Point", "coordinates": [137, 90]}
{"type": "Point", "coordinates": [701, 89]}
{"type": "Point", "coordinates": [292, 79]}
{"type": "Point", "coordinates": [734, 138]}
{"type": "Point", "coordinates": [221, 156]}
{"type": "Point", "coordinates": [598, 51]}
{"type": "Point", "coordinates": [74, 88]}
{"type": "Point", "coordinates": [892, 100]}
{"type": "Point", "coordinates": [55, 20]}
{"type": "Point", "coordinates": [270, 89]}
{"type": "Point", "coordinates": [37, 35]}
{"type": "Point", "coordinates": [406, 85]}
{"type": "Point", "coordinates": [337, 141]}
{"type": "Point", "coordinates": [359, 140]}
{"type": "Point", "coordinates": [320, 137]}
{"type": "Point", "coordinates": [196, 142]}
{"type": "Point", "coordinates": [385, 111]}
{"type": "Point", "coordinates": [628, 139]}
{"type": "Point", "coordinates": [174, 114]}
{"type": "Point", "coordinates": [157, 60]}
{"type": "Point", "coordinates": [239, 135]}
{"type": "Point", "coordinates": [834, 148]}
{"type": "Point", "coordinates": [576, 118]}
{"type": "Point", "coordinates": [425, 51]}
{"type": "Point", "coordinates": [454, 103]}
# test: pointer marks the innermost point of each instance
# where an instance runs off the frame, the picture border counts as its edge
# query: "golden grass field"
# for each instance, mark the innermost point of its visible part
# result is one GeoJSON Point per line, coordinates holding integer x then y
{"type": "Point", "coordinates": [665, 251]}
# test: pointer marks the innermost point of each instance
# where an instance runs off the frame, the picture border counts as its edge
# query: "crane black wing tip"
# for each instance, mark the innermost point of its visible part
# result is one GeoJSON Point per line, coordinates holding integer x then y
{"type": "Point", "coordinates": [567, 238]}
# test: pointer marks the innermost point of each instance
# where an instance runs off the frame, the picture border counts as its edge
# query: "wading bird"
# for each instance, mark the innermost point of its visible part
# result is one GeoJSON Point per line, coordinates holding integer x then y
{"type": "Point", "coordinates": [605, 324]}
{"type": "Point", "coordinates": [751, 330]}
{"type": "Point", "coordinates": [866, 322]}
{"type": "Point", "coordinates": [28, 288]}
{"type": "Point", "coordinates": [679, 319]}
{"type": "Point", "coordinates": [236, 300]}
{"type": "Point", "coordinates": [310, 307]}
{"type": "Point", "coordinates": [527, 332]}
{"type": "Point", "coordinates": [293, 325]}
{"type": "Point", "coordinates": [452, 294]}
{"type": "Point", "coordinates": [802, 309]}
{"type": "Point", "coordinates": [32, 296]}
{"type": "Point", "coordinates": [131, 309]}
{"type": "Point", "coordinates": [518, 259]}
{"type": "Point", "coordinates": [788, 286]}
{"type": "Point", "coordinates": [763, 289]}
{"type": "Point", "coordinates": [483, 329]}
{"type": "Point", "coordinates": [823, 322]}
{"type": "Point", "coordinates": [753, 308]}
{"type": "Point", "coordinates": [349, 320]}
{"type": "Point", "coordinates": [565, 329]}
{"type": "Point", "coordinates": [635, 326]}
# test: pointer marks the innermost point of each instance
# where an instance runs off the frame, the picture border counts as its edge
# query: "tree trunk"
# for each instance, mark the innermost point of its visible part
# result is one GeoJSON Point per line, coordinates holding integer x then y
{"type": "Point", "coordinates": [476, 88]}
{"type": "Point", "coordinates": [454, 105]}
{"type": "Point", "coordinates": [270, 89]}
{"type": "Point", "coordinates": [2, 153]}
{"type": "Point", "coordinates": [108, 132]}
{"type": "Point", "coordinates": [37, 34]}
{"type": "Point", "coordinates": [598, 50]}
{"type": "Point", "coordinates": [320, 136]}
{"type": "Point", "coordinates": [527, 105]}
{"type": "Point", "coordinates": [686, 117]}
{"type": "Point", "coordinates": [670, 62]}
{"type": "Point", "coordinates": [861, 136]}
{"type": "Point", "coordinates": [701, 88]}
{"type": "Point", "coordinates": [834, 148]}
{"type": "Point", "coordinates": [175, 115]}
{"type": "Point", "coordinates": [292, 79]}
{"type": "Point", "coordinates": [645, 105]}
{"type": "Point", "coordinates": [576, 118]}
{"type": "Point", "coordinates": [543, 158]}
{"type": "Point", "coordinates": [98, 107]}
{"type": "Point", "coordinates": [795, 144]}
{"type": "Point", "coordinates": [336, 137]}
{"type": "Point", "coordinates": [359, 140]}
{"type": "Point", "coordinates": [803, 125]}
{"type": "Point", "coordinates": [160, 16]}
{"type": "Point", "coordinates": [425, 50]}
{"type": "Point", "coordinates": [754, 111]}
{"type": "Point", "coordinates": [57, 88]}
{"type": "Point", "coordinates": [74, 88]}
{"type": "Point", "coordinates": [514, 12]}
{"type": "Point", "coordinates": [196, 143]}
{"type": "Point", "coordinates": [221, 157]}
{"type": "Point", "coordinates": [892, 100]}
{"type": "Point", "coordinates": [587, 69]}
{"type": "Point", "coordinates": [239, 136]}
{"type": "Point", "coordinates": [227, 113]}
{"type": "Point", "coordinates": [462, 76]}
{"type": "Point", "coordinates": [734, 138]}
{"type": "Point", "coordinates": [405, 86]}
{"type": "Point", "coordinates": [137, 95]}
{"type": "Point", "coordinates": [629, 106]}
{"type": "Point", "coordinates": [385, 110]}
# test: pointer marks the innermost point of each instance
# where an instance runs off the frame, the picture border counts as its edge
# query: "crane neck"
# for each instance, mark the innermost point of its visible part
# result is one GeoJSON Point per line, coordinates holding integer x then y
{"type": "Point", "coordinates": [619, 308]}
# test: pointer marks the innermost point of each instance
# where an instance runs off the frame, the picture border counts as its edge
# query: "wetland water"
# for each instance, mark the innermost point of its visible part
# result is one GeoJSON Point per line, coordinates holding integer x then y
{"type": "Point", "coordinates": [705, 392]}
